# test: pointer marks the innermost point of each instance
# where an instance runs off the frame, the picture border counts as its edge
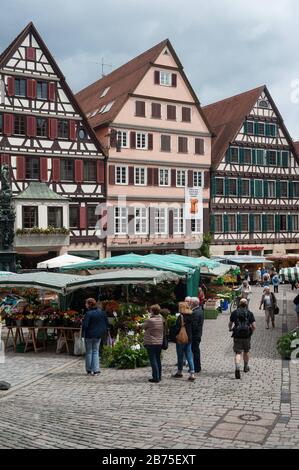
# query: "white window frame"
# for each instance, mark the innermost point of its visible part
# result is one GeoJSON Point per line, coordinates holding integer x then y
{"type": "Point", "coordinates": [164, 171]}
{"type": "Point", "coordinates": [295, 218]}
{"type": "Point", "coordinates": [287, 186]}
{"type": "Point", "coordinates": [141, 135]}
{"type": "Point", "coordinates": [229, 194]}
{"type": "Point", "coordinates": [159, 218]}
{"type": "Point", "coordinates": [122, 217]}
{"type": "Point", "coordinates": [255, 216]}
{"type": "Point", "coordinates": [178, 221]}
{"type": "Point", "coordinates": [295, 182]}
{"type": "Point", "coordinates": [274, 185]}
{"type": "Point", "coordinates": [238, 161]}
{"type": "Point", "coordinates": [241, 228]}
{"type": "Point", "coordinates": [267, 158]}
{"type": "Point", "coordinates": [245, 195]}
{"type": "Point", "coordinates": [143, 217]}
{"type": "Point", "coordinates": [124, 144]}
{"type": "Point", "coordinates": [195, 179]}
{"type": "Point", "coordinates": [235, 218]}
{"type": "Point", "coordinates": [165, 78]}
{"type": "Point", "coordinates": [179, 177]}
{"type": "Point", "coordinates": [197, 226]}
{"type": "Point", "coordinates": [246, 163]}
{"type": "Point", "coordinates": [250, 122]}
{"type": "Point", "coordinates": [222, 223]}
{"type": "Point", "coordinates": [223, 185]}
{"type": "Point", "coordinates": [137, 169]}
{"type": "Point", "coordinates": [127, 173]}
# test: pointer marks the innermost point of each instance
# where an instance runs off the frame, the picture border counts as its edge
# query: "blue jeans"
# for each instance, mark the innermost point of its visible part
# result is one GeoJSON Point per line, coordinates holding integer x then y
{"type": "Point", "coordinates": [187, 349]}
{"type": "Point", "coordinates": [92, 356]}
{"type": "Point", "coordinates": [154, 354]}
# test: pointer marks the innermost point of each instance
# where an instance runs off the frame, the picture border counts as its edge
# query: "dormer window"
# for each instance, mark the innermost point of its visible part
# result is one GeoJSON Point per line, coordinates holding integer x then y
{"type": "Point", "coordinates": [165, 78]}
{"type": "Point", "coordinates": [106, 107]}
{"type": "Point", "coordinates": [104, 93]}
{"type": "Point", "coordinates": [263, 104]}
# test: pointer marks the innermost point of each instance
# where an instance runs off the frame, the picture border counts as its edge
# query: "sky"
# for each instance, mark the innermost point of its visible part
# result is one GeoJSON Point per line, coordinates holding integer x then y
{"type": "Point", "coordinates": [225, 46]}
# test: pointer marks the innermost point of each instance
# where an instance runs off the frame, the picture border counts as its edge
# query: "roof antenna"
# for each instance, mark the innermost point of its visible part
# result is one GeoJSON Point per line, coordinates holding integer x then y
{"type": "Point", "coordinates": [104, 65]}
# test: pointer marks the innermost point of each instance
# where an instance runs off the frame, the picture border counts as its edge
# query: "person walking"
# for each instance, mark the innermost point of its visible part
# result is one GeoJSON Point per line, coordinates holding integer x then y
{"type": "Point", "coordinates": [184, 341]}
{"type": "Point", "coordinates": [153, 340]}
{"type": "Point", "coordinates": [246, 275]}
{"type": "Point", "coordinates": [95, 325]}
{"type": "Point", "coordinates": [275, 282]}
{"type": "Point", "coordinates": [245, 291]}
{"type": "Point", "coordinates": [242, 325]}
{"type": "Point", "coordinates": [258, 277]}
{"type": "Point", "coordinates": [269, 304]}
{"type": "Point", "coordinates": [197, 326]}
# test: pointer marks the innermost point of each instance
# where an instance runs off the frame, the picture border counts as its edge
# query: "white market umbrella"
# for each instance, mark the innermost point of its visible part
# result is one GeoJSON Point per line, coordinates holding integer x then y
{"type": "Point", "coordinates": [61, 261]}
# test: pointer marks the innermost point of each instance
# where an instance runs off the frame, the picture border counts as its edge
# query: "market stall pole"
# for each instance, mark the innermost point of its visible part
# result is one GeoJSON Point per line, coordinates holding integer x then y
{"type": "Point", "coordinates": [7, 220]}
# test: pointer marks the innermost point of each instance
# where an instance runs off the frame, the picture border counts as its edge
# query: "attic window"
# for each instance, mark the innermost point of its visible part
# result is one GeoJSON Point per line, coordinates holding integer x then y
{"type": "Point", "coordinates": [165, 52]}
{"type": "Point", "coordinates": [104, 93]}
{"type": "Point", "coordinates": [263, 104]}
{"type": "Point", "coordinates": [106, 107]}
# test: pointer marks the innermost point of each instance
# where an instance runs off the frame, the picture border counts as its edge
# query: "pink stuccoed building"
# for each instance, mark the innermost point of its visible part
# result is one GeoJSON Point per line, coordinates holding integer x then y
{"type": "Point", "coordinates": [149, 120]}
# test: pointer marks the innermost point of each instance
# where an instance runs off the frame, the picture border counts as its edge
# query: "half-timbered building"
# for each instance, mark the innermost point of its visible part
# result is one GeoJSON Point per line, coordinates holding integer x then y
{"type": "Point", "coordinates": [158, 142]}
{"type": "Point", "coordinates": [57, 163]}
{"type": "Point", "coordinates": [255, 177]}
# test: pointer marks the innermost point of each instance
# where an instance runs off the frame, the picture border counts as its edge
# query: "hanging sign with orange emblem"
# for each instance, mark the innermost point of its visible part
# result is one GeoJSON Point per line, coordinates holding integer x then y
{"type": "Point", "coordinates": [193, 203]}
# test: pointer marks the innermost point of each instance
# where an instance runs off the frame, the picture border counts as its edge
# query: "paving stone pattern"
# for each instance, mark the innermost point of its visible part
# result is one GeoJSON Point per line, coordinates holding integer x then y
{"type": "Point", "coordinates": [54, 405]}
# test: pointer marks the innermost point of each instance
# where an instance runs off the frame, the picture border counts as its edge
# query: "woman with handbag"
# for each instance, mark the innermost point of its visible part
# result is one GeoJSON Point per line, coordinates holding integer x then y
{"type": "Point", "coordinates": [269, 304]}
{"type": "Point", "coordinates": [184, 341]}
{"type": "Point", "coordinates": [153, 341]}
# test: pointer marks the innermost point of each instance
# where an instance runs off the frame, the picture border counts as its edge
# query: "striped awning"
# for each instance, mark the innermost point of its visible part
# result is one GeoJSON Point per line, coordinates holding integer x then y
{"type": "Point", "coordinates": [289, 274]}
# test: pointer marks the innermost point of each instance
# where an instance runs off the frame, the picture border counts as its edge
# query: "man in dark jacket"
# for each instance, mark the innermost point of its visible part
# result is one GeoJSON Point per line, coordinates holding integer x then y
{"type": "Point", "coordinates": [95, 326]}
{"type": "Point", "coordinates": [197, 326]}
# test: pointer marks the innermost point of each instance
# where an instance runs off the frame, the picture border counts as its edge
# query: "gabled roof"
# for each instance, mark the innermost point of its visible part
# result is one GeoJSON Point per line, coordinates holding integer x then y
{"type": "Point", "coordinates": [226, 117]}
{"type": "Point", "coordinates": [296, 145]}
{"type": "Point", "coordinates": [122, 82]}
{"type": "Point", "coordinates": [40, 192]}
{"type": "Point", "coordinates": [10, 50]}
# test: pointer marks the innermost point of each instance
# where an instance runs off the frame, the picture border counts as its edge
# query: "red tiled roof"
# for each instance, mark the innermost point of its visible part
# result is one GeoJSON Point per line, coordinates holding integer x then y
{"type": "Point", "coordinates": [296, 146]}
{"type": "Point", "coordinates": [226, 117]}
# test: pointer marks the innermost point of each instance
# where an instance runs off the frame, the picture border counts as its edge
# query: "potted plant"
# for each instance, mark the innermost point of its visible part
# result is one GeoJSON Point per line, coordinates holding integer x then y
{"type": "Point", "coordinates": [40, 320]}
{"type": "Point", "coordinates": [30, 319]}
{"type": "Point", "coordinates": [19, 319]}
{"type": "Point", "coordinates": [8, 319]}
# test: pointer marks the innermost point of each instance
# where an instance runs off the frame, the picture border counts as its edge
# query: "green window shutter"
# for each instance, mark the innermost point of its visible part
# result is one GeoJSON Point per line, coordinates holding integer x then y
{"type": "Point", "coordinates": [290, 223]}
{"type": "Point", "coordinates": [278, 160]}
{"type": "Point", "coordinates": [266, 192]}
{"type": "Point", "coordinates": [251, 223]}
{"type": "Point", "coordinates": [277, 222]}
{"type": "Point", "coordinates": [228, 155]}
{"type": "Point", "coordinates": [226, 186]}
{"type": "Point", "coordinates": [213, 186]}
{"type": "Point", "coordinates": [212, 223]}
{"type": "Point", "coordinates": [268, 130]}
{"type": "Point", "coordinates": [285, 159]}
{"type": "Point", "coordinates": [241, 156]}
{"type": "Point", "coordinates": [278, 189]}
{"type": "Point", "coordinates": [264, 223]}
{"type": "Point", "coordinates": [239, 223]}
{"type": "Point", "coordinates": [253, 154]}
{"type": "Point", "coordinates": [260, 157]}
{"type": "Point", "coordinates": [225, 223]}
{"type": "Point", "coordinates": [291, 189]}
{"type": "Point", "coordinates": [258, 188]}
{"type": "Point", "coordinates": [245, 127]}
{"type": "Point", "coordinates": [274, 130]}
{"type": "Point", "coordinates": [240, 187]}
{"type": "Point", "coordinates": [256, 128]}
{"type": "Point", "coordinates": [252, 192]}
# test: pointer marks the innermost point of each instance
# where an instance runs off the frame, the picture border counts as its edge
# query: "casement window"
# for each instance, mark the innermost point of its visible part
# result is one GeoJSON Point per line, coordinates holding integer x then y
{"type": "Point", "coordinates": [284, 192]}
{"type": "Point", "coordinates": [42, 91]}
{"type": "Point", "coordinates": [55, 218]}
{"type": "Point", "coordinates": [232, 187]}
{"type": "Point", "coordinates": [272, 130]}
{"type": "Point", "coordinates": [156, 110]}
{"type": "Point", "coordinates": [186, 114]}
{"type": "Point", "coordinates": [258, 188]}
{"type": "Point", "coordinates": [195, 225]}
{"type": "Point", "coordinates": [165, 143]}
{"type": "Point", "coordinates": [41, 127]}
{"type": "Point", "coordinates": [181, 178]}
{"type": "Point", "coordinates": [219, 186]}
{"type": "Point", "coordinates": [120, 220]}
{"type": "Point", "coordinates": [141, 141]}
{"type": "Point", "coordinates": [178, 221]}
{"type": "Point", "coordinates": [30, 216]}
{"type": "Point", "coordinates": [199, 146]}
{"type": "Point", "coordinates": [122, 139]}
{"type": "Point", "coordinates": [218, 223]}
{"type": "Point", "coordinates": [183, 144]}
{"type": "Point", "coordinates": [257, 222]}
{"type": "Point", "coordinates": [67, 170]}
{"type": "Point", "coordinates": [164, 177]}
{"type": "Point", "coordinates": [245, 188]}
{"type": "Point", "coordinates": [283, 222]}
{"type": "Point", "coordinates": [121, 175]}
{"type": "Point", "coordinates": [271, 189]}
{"type": "Point", "coordinates": [92, 217]}
{"type": "Point", "coordinates": [244, 223]}
{"type": "Point", "coordinates": [294, 223]}
{"type": "Point", "coordinates": [296, 189]}
{"type": "Point", "coordinates": [1, 122]}
{"type": "Point", "coordinates": [260, 157]}
{"type": "Point", "coordinates": [260, 128]}
{"type": "Point", "coordinates": [231, 223]}
{"type": "Point", "coordinates": [285, 159]}
{"type": "Point", "coordinates": [141, 221]}
{"type": "Point", "coordinates": [197, 179]}
{"type": "Point", "coordinates": [165, 78]}
{"type": "Point", "coordinates": [247, 156]}
{"type": "Point", "coordinates": [32, 168]}
{"type": "Point", "coordinates": [20, 87]}
{"type": "Point", "coordinates": [160, 221]}
{"type": "Point", "coordinates": [234, 155]}
{"type": "Point", "coordinates": [140, 108]}
{"type": "Point", "coordinates": [62, 129]}
{"type": "Point", "coordinates": [249, 128]}
{"type": "Point", "coordinates": [74, 214]}
{"type": "Point", "coordinates": [140, 176]}
{"type": "Point", "coordinates": [171, 112]}
{"type": "Point", "coordinates": [20, 125]}
{"type": "Point", "coordinates": [89, 171]}
{"type": "Point", "coordinates": [271, 157]}
{"type": "Point", "coordinates": [270, 221]}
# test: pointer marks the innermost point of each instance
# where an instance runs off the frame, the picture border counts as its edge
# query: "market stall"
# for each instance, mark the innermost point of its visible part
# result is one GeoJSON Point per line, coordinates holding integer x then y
{"type": "Point", "coordinates": [60, 261]}
{"type": "Point", "coordinates": [289, 274]}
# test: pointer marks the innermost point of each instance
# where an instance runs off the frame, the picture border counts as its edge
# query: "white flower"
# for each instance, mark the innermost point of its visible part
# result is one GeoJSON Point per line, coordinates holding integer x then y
{"type": "Point", "coordinates": [295, 335]}
{"type": "Point", "coordinates": [131, 333]}
{"type": "Point", "coordinates": [135, 347]}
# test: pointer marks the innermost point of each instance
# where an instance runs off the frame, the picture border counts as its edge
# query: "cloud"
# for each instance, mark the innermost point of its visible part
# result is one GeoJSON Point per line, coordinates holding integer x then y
{"type": "Point", "coordinates": [226, 46]}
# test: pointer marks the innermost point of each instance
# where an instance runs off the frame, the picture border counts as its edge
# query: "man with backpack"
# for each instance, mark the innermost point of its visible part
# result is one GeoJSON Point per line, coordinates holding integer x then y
{"type": "Point", "coordinates": [242, 324]}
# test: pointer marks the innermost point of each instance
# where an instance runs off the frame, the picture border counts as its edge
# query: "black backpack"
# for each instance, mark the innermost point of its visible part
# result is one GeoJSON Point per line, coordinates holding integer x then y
{"type": "Point", "coordinates": [296, 300]}
{"type": "Point", "coordinates": [242, 329]}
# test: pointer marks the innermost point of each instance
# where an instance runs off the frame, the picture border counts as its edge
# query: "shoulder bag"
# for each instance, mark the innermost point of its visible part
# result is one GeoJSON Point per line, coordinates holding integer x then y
{"type": "Point", "coordinates": [182, 337]}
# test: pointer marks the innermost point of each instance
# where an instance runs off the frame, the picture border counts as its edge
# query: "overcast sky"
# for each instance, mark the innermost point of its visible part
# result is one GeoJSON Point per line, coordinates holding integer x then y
{"type": "Point", "coordinates": [226, 46]}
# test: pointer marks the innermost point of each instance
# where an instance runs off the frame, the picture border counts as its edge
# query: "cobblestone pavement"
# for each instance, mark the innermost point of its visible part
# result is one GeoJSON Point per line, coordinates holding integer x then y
{"type": "Point", "coordinates": [54, 405]}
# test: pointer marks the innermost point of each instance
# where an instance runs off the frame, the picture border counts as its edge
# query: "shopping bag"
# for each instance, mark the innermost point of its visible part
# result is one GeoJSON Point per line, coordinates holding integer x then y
{"type": "Point", "coordinates": [79, 345]}
{"type": "Point", "coordinates": [182, 337]}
